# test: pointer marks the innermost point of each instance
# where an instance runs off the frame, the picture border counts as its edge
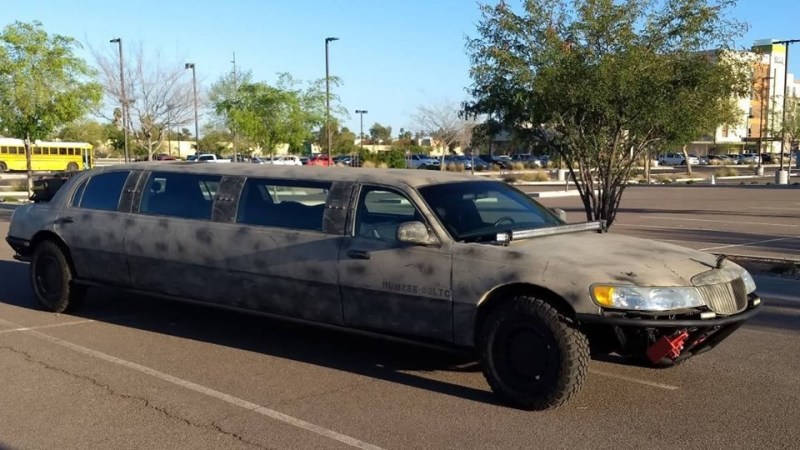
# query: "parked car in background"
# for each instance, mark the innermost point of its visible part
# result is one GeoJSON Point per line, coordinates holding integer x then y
{"type": "Point", "coordinates": [284, 160]}
{"type": "Point", "coordinates": [676, 159]}
{"type": "Point", "coordinates": [703, 160]}
{"type": "Point", "coordinates": [164, 157]}
{"type": "Point", "coordinates": [304, 160]}
{"type": "Point", "coordinates": [749, 158]}
{"type": "Point", "coordinates": [418, 161]}
{"type": "Point", "coordinates": [497, 160]}
{"type": "Point", "coordinates": [211, 158]}
{"type": "Point", "coordinates": [319, 160]}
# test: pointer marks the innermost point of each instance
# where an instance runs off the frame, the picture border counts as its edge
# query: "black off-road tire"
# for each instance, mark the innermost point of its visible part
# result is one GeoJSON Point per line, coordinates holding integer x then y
{"type": "Point", "coordinates": [51, 279]}
{"type": "Point", "coordinates": [532, 356]}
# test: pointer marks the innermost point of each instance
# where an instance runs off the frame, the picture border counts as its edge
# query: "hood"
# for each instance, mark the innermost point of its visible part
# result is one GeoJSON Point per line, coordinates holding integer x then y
{"type": "Point", "coordinates": [614, 258]}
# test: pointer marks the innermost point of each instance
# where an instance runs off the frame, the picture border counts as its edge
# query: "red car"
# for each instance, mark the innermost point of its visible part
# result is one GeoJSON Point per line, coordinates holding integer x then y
{"type": "Point", "coordinates": [319, 160]}
{"type": "Point", "coordinates": [164, 157]}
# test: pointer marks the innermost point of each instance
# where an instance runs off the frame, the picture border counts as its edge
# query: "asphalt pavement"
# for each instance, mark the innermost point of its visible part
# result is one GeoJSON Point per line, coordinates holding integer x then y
{"type": "Point", "coordinates": [135, 372]}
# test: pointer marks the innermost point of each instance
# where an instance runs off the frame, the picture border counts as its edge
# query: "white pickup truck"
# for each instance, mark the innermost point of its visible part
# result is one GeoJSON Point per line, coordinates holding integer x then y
{"type": "Point", "coordinates": [208, 157]}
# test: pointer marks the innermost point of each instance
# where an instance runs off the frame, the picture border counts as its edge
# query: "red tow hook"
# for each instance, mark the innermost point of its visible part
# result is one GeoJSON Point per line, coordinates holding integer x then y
{"type": "Point", "coordinates": [667, 347]}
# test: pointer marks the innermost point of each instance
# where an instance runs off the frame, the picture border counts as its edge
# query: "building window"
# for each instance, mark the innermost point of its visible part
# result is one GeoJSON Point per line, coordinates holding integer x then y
{"type": "Point", "coordinates": [725, 131]}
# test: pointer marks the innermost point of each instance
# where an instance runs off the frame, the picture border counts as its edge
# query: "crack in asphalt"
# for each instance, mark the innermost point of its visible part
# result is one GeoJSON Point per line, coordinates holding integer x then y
{"type": "Point", "coordinates": [219, 428]}
{"type": "Point", "coordinates": [145, 402]}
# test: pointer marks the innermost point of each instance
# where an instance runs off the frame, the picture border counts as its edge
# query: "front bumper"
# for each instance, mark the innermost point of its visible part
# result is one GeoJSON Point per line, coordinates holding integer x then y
{"type": "Point", "coordinates": [21, 246]}
{"type": "Point", "coordinates": [633, 334]}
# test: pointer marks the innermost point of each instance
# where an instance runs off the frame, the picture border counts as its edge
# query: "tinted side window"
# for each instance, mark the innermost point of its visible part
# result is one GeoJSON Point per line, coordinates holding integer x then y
{"type": "Point", "coordinates": [380, 212]}
{"type": "Point", "coordinates": [293, 204]}
{"type": "Point", "coordinates": [185, 195]}
{"type": "Point", "coordinates": [76, 197]}
{"type": "Point", "coordinates": [103, 190]}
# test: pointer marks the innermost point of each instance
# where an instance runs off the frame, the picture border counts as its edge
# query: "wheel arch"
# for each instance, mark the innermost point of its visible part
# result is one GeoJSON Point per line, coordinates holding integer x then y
{"type": "Point", "coordinates": [47, 235]}
{"type": "Point", "coordinates": [501, 295]}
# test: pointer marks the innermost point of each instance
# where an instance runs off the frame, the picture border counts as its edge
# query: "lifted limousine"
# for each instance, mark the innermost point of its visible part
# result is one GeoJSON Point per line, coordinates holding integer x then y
{"type": "Point", "coordinates": [430, 256]}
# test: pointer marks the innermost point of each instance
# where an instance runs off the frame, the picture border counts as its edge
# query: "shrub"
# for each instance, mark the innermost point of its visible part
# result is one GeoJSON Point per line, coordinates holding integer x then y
{"type": "Point", "coordinates": [383, 165]}
{"type": "Point", "coordinates": [10, 199]}
{"type": "Point", "coordinates": [715, 162]}
{"type": "Point", "coordinates": [479, 168]}
{"type": "Point", "coordinates": [510, 178]}
{"type": "Point", "coordinates": [19, 185]}
{"type": "Point", "coordinates": [539, 175]}
{"type": "Point", "coordinates": [453, 167]}
{"type": "Point", "coordinates": [368, 164]}
{"type": "Point", "coordinates": [726, 172]}
{"type": "Point", "coordinates": [690, 182]}
{"type": "Point", "coordinates": [518, 166]}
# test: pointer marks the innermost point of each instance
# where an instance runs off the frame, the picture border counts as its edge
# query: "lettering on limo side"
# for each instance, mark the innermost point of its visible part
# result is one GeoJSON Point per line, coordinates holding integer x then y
{"type": "Point", "coordinates": [416, 289]}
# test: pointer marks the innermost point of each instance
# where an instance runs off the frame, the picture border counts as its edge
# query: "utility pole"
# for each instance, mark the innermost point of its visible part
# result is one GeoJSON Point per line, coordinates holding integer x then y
{"type": "Point", "coordinates": [235, 96]}
{"type": "Point", "coordinates": [361, 112]}
{"type": "Point", "coordinates": [328, 40]}
{"type": "Point", "coordinates": [123, 99]}
{"type": "Point", "coordinates": [196, 123]}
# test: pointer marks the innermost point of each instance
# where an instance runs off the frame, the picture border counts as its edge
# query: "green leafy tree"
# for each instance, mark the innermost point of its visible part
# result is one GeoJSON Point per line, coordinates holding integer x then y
{"type": "Point", "coordinates": [600, 82]}
{"type": "Point", "coordinates": [380, 134]}
{"type": "Point", "coordinates": [43, 84]}
{"type": "Point", "coordinates": [89, 131]}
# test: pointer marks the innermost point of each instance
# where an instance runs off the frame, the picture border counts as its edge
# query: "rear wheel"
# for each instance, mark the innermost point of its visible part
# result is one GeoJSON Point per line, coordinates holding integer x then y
{"type": "Point", "coordinates": [532, 356]}
{"type": "Point", "coordinates": [72, 167]}
{"type": "Point", "coordinates": [3, 167]}
{"type": "Point", "coordinates": [51, 279]}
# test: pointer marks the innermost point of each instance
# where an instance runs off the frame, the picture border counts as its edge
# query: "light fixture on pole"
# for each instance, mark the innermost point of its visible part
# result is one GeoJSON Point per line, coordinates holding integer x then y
{"type": "Point", "coordinates": [123, 99]}
{"type": "Point", "coordinates": [361, 113]}
{"type": "Point", "coordinates": [196, 124]}
{"type": "Point", "coordinates": [328, 99]}
{"type": "Point", "coordinates": [787, 43]}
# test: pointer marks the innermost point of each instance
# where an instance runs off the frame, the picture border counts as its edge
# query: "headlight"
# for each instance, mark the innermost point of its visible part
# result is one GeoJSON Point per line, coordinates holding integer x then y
{"type": "Point", "coordinates": [749, 283]}
{"type": "Point", "coordinates": [646, 298]}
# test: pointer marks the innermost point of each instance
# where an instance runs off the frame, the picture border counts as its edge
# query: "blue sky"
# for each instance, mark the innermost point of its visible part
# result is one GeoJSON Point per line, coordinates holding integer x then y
{"type": "Point", "coordinates": [392, 56]}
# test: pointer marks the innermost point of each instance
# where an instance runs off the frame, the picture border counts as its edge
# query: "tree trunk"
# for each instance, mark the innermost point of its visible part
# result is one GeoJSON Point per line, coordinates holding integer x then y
{"type": "Point", "coordinates": [686, 159]}
{"type": "Point", "coordinates": [647, 167]}
{"type": "Point", "coordinates": [28, 166]}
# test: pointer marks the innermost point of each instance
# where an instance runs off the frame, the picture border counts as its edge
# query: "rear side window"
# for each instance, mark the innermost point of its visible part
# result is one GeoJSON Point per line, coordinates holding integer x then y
{"type": "Point", "coordinates": [292, 204]}
{"type": "Point", "coordinates": [185, 195]}
{"type": "Point", "coordinates": [102, 191]}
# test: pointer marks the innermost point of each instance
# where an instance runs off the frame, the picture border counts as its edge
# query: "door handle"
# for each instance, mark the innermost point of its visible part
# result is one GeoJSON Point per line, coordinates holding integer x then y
{"type": "Point", "coordinates": [64, 220]}
{"type": "Point", "coordinates": [358, 254]}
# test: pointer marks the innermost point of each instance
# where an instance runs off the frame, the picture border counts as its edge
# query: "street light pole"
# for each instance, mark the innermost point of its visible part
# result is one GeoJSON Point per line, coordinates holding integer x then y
{"type": "Point", "coordinates": [235, 96]}
{"type": "Point", "coordinates": [787, 43]}
{"type": "Point", "coordinates": [328, 99]}
{"type": "Point", "coordinates": [194, 89]}
{"type": "Point", "coordinates": [361, 112]}
{"type": "Point", "coordinates": [123, 99]}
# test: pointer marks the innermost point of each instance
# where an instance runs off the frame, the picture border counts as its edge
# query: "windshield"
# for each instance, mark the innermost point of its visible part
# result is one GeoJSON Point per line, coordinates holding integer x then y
{"type": "Point", "coordinates": [478, 210]}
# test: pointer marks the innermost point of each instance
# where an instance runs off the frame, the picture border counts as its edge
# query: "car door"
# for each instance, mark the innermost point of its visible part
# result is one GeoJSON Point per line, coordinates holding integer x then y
{"type": "Point", "coordinates": [281, 247]}
{"type": "Point", "coordinates": [388, 285]}
{"type": "Point", "coordinates": [92, 226]}
{"type": "Point", "coordinates": [170, 241]}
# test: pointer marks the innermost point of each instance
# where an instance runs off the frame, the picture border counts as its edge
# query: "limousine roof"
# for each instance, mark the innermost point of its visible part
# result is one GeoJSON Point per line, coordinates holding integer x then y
{"type": "Point", "coordinates": [413, 178]}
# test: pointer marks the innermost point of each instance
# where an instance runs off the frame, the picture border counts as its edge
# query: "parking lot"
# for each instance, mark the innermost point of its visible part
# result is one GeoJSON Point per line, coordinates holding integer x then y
{"type": "Point", "coordinates": [132, 372]}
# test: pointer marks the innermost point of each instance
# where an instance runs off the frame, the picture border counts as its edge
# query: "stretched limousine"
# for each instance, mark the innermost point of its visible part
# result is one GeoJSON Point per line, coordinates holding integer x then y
{"type": "Point", "coordinates": [430, 256]}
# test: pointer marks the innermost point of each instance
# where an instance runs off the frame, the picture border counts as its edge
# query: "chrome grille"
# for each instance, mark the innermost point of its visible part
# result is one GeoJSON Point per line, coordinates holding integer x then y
{"type": "Point", "coordinates": [725, 298]}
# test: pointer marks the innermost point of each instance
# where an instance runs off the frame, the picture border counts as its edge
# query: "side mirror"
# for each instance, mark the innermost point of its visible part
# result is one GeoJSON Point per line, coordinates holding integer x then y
{"type": "Point", "coordinates": [560, 213]}
{"type": "Point", "coordinates": [415, 233]}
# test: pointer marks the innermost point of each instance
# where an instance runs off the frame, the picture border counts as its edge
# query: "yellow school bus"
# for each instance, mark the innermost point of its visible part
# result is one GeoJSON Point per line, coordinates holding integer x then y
{"type": "Point", "coordinates": [45, 155]}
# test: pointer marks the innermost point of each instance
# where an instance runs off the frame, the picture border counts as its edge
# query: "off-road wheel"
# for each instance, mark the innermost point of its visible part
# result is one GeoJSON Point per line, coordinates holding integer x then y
{"type": "Point", "coordinates": [51, 279]}
{"type": "Point", "coordinates": [72, 167]}
{"type": "Point", "coordinates": [532, 356]}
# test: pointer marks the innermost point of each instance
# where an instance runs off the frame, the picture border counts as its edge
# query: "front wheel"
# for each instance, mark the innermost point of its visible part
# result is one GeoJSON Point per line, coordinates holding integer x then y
{"type": "Point", "coordinates": [532, 356]}
{"type": "Point", "coordinates": [51, 279]}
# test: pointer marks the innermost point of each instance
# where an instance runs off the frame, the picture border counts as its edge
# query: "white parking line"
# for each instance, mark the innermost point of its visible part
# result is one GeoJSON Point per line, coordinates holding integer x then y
{"type": "Point", "coordinates": [54, 325]}
{"type": "Point", "coordinates": [263, 410]}
{"type": "Point", "coordinates": [746, 244]}
{"type": "Point", "coordinates": [668, 387]}
{"type": "Point", "coordinates": [721, 221]}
